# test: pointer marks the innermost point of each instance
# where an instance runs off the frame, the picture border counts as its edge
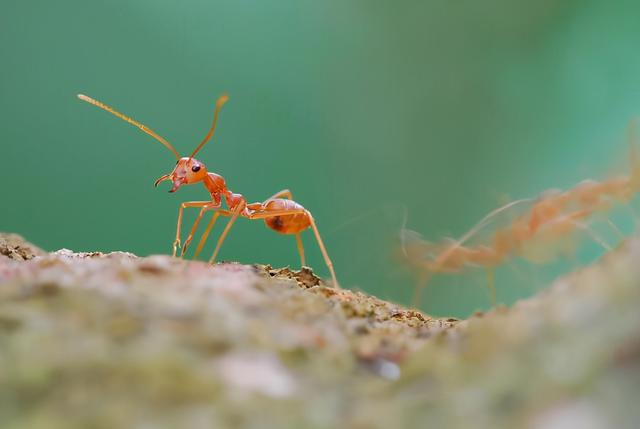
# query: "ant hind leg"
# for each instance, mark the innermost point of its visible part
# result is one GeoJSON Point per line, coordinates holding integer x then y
{"type": "Point", "coordinates": [314, 227]}
{"type": "Point", "coordinates": [300, 249]}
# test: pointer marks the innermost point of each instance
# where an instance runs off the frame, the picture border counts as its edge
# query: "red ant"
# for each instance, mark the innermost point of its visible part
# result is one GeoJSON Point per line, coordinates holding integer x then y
{"type": "Point", "coordinates": [552, 217]}
{"type": "Point", "coordinates": [279, 212]}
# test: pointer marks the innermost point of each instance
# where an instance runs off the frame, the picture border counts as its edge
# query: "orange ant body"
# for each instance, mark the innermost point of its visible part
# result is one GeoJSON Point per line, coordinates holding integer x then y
{"type": "Point", "coordinates": [279, 212]}
{"type": "Point", "coordinates": [552, 216]}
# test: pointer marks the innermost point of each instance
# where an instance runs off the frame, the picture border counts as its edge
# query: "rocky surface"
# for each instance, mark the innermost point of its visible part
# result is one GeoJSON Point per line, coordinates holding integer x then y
{"type": "Point", "coordinates": [112, 340]}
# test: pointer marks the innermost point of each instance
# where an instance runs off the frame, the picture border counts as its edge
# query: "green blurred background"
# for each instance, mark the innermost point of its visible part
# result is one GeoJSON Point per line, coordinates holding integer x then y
{"type": "Point", "coordinates": [367, 110]}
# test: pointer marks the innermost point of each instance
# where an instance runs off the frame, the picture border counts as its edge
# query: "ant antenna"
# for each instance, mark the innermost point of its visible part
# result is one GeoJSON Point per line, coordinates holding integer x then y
{"type": "Point", "coordinates": [131, 121]}
{"type": "Point", "coordinates": [223, 99]}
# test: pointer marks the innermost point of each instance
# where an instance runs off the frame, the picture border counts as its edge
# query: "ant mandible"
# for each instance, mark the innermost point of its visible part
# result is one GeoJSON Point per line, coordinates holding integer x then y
{"type": "Point", "coordinates": [279, 212]}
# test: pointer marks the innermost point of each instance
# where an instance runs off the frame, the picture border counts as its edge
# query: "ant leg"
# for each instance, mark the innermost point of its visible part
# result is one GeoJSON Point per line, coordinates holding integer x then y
{"type": "Point", "coordinates": [634, 214]}
{"type": "Point", "coordinates": [421, 285]}
{"type": "Point", "coordinates": [234, 215]}
{"type": "Point", "coordinates": [195, 227]}
{"type": "Point", "coordinates": [262, 213]}
{"type": "Point", "coordinates": [615, 229]}
{"type": "Point", "coordinates": [300, 249]}
{"type": "Point", "coordinates": [205, 235]}
{"type": "Point", "coordinates": [323, 250]}
{"type": "Point", "coordinates": [285, 193]}
{"type": "Point", "coordinates": [591, 233]}
{"type": "Point", "coordinates": [327, 260]}
{"type": "Point", "coordinates": [176, 243]}
{"type": "Point", "coordinates": [193, 231]}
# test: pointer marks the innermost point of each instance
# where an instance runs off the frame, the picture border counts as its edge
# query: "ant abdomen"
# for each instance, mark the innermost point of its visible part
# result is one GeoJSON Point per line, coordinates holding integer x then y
{"type": "Point", "coordinates": [287, 224]}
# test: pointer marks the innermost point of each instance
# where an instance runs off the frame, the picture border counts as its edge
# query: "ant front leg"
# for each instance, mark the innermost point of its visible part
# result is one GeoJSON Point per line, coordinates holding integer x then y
{"type": "Point", "coordinates": [176, 243]}
{"type": "Point", "coordinates": [195, 226]}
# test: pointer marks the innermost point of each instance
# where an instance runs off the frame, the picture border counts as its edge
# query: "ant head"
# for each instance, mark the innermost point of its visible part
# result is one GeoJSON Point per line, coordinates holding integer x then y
{"type": "Point", "coordinates": [189, 170]}
{"type": "Point", "coordinates": [186, 172]}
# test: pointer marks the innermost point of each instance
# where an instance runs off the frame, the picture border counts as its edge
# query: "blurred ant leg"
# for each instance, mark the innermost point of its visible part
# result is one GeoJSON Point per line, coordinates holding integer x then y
{"type": "Point", "coordinates": [195, 227]}
{"type": "Point", "coordinates": [300, 249]}
{"type": "Point", "coordinates": [176, 243]}
{"type": "Point", "coordinates": [615, 229]}
{"type": "Point", "coordinates": [593, 236]}
{"type": "Point", "coordinates": [421, 285]}
{"type": "Point", "coordinates": [206, 232]}
{"type": "Point", "coordinates": [491, 283]}
{"type": "Point", "coordinates": [478, 227]}
{"type": "Point", "coordinates": [234, 215]}
{"type": "Point", "coordinates": [573, 220]}
{"type": "Point", "coordinates": [634, 213]}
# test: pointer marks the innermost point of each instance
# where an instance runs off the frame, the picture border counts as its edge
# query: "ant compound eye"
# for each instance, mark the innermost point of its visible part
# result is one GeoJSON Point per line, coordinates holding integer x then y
{"type": "Point", "coordinates": [195, 168]}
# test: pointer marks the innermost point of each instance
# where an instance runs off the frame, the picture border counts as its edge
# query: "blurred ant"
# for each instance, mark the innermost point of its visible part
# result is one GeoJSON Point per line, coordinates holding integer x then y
{"type": "Point", "coordinates": [551, 217]}
{"type": "Point", "coordinates": [279, 212]}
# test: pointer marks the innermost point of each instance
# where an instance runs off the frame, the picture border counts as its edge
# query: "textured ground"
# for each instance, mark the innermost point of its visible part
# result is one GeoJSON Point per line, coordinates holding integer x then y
{"type": "Point", "coordinates": [106, 341]}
